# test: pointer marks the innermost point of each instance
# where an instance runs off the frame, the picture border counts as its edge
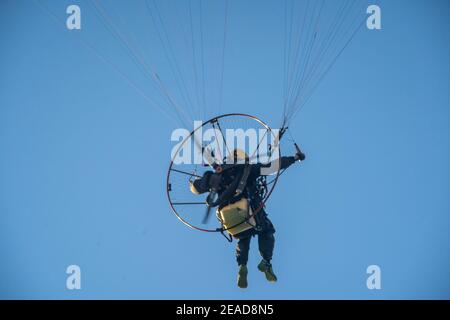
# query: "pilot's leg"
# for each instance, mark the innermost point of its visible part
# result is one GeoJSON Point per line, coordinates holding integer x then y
{"type": "Point", "coordinates": [266, 243]}
{"type": "Point", "coordinates": [242, 249]}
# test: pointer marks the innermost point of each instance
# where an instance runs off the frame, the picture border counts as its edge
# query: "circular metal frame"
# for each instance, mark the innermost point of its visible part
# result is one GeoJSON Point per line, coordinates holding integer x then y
{"type": "Point", "coordinates": [263, 202]}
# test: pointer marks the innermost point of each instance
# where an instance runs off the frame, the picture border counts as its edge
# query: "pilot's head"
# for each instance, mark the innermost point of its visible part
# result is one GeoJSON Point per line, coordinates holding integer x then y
{"type": "Point", "coordinates": [238, 156]}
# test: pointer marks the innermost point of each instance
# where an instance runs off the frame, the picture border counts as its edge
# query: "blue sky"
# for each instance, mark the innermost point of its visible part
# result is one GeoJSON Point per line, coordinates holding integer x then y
{"type": "Point", "coordinates": [84, 158]}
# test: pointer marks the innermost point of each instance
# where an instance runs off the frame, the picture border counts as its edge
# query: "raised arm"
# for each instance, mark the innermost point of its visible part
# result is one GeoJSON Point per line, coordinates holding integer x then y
{"type": "Point", "coordinates": [283, 163]}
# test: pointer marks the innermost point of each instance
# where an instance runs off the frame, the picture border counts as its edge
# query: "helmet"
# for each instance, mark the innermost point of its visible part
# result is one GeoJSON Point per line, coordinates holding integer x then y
{"type": "Point", "coordinates": [238, 155]}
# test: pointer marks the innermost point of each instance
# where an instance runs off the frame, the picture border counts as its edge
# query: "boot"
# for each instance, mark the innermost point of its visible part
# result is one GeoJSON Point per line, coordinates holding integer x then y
{"type": "Point", "coordinates": [266, 267]}
{"type": "Point", "coordinates": [242, 276]}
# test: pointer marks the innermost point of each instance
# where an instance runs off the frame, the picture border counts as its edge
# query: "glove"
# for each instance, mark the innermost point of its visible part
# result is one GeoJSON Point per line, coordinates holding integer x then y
{"type": "Point", "coordinates": [299, 156]}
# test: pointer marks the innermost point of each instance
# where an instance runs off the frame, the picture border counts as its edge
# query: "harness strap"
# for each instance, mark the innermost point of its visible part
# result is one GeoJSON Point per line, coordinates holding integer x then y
{"type": "Point", "coordinates": [229, 237]}
{"type": "Point", "coordinates": [243, 182]}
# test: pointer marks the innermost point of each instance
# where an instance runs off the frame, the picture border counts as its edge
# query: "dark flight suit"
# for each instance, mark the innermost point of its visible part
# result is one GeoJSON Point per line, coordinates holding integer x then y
{"type": "Point", "coordinates": [266, 239]}
{"type": "Point", "coordinates": [264, 227]}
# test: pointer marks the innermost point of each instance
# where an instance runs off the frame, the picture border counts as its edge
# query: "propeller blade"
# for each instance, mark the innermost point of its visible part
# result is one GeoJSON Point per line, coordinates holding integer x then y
{"type": "Point", "coordinates": [207, 215]}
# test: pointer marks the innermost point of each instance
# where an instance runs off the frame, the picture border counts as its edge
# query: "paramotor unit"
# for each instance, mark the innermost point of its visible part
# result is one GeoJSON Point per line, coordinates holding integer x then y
{"type": "Point", "coordinates": [223, 135]}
